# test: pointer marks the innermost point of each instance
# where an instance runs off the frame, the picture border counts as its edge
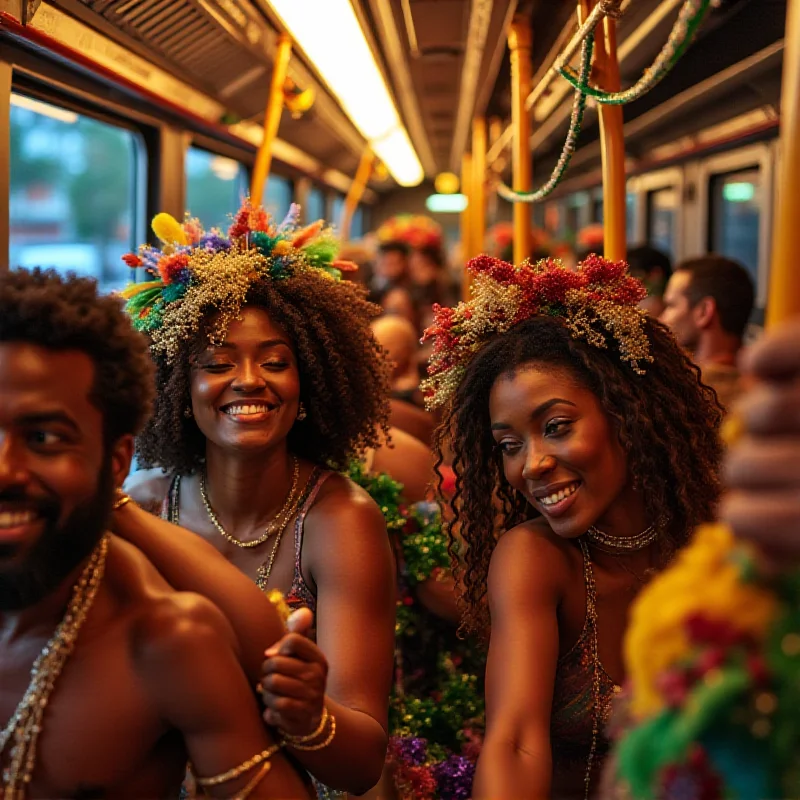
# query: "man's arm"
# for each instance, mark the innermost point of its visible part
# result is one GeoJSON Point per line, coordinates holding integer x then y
{"type": "Point", "coordinates": [185, 654]}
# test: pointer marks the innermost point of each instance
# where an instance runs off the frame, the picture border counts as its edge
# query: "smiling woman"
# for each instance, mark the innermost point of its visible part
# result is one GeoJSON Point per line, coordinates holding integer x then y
{"type": "Point", "coordinates": [269, 381]}
{"type": "Point", "coordinates": [592, 429]}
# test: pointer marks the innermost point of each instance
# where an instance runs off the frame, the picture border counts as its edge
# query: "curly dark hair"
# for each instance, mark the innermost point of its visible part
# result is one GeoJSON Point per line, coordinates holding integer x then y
{"type": "Point", "coordinates": [667, 422]}
{"type": "Point", "coordinates": [58, 312]}
{"type": "Point", "coordinates": [344, 377]}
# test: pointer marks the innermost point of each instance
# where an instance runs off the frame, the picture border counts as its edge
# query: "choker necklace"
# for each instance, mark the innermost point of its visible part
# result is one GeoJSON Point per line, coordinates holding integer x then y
{"type": "Point", "coordinates": [624, 543]}
{"type": "Point", "coordinates": [25, 725]}
{"type": "Point", "coordinates": [278, 523]}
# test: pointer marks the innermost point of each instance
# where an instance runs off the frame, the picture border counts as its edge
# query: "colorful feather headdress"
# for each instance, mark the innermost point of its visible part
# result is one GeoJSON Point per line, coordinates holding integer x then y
{"type": "Point", "coordinates": [195, 270]}
{"type": "Point", "coordinates": [597, 300]}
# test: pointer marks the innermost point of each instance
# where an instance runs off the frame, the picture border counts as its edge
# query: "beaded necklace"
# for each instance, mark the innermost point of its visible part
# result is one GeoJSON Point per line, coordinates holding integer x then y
{"type": "Point", "coordinates": [25, 724]}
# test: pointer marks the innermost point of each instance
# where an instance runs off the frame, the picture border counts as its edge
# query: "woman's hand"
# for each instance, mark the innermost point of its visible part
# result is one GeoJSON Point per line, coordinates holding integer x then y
{"type": "Point", "coordinates": [763, 467]}
{"type": "Point", "coordinates": [294, 677]}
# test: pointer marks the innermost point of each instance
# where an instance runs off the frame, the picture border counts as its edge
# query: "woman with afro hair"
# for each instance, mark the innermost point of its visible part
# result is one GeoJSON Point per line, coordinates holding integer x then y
{"type": "Point", "coordinates": [585, 449]}
{"type": "Point", "coordinates": [269, 382]}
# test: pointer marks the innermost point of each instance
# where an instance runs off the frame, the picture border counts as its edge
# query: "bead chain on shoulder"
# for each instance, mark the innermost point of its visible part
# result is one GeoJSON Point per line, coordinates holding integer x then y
{"type": "Point", "coordinates": [25, 725]}
{"type": "Point", "coordinates": [277, 524]}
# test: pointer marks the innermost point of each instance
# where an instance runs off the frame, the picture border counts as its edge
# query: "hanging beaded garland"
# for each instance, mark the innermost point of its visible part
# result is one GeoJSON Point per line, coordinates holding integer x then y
{"type": "Point", "coordinates": [570, 143]}
{"type": "Point", "coordinates": [691, 16]}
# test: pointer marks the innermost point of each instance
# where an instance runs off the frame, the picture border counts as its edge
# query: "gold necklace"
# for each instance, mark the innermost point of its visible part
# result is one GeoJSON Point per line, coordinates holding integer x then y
{"type": "Point", "coordinates": [265, 570]}
{"type": "Point", "coordinates": [25, 725]}
{"type": "Point", "coordinates": [624, 543]}
{"type": "Point", "coordinates": [278, 523]}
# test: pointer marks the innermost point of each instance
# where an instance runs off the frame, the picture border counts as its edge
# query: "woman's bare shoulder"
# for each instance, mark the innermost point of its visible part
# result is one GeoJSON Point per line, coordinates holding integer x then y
{"type": "Point", "coordinates": [148, 487]}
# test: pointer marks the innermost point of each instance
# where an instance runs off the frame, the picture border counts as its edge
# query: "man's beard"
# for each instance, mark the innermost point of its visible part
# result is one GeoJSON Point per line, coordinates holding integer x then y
{"type": "Point", "coordinates": [61, 546]}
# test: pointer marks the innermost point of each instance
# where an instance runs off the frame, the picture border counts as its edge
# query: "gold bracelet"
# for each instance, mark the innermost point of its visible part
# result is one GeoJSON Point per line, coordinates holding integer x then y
{"type": "Point", "coordinates": [321, 745]}
{"type": "Point", "coordinates": [234, 773]}
{"type": "Point", "coordinates": [122, 499]}
{"type": "Point", "coordinates": [309, 737]}
{"type": "Point", "coordinates": [247, 791]}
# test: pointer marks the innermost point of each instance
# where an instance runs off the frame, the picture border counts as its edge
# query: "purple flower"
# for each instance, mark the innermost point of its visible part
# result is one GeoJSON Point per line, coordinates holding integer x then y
{"type": "Point", "coordinates": [410, 749]}
{"type": "Point", "coordinates": [214, 242]}
{"type": "Point", "coordinates": [454, 778]}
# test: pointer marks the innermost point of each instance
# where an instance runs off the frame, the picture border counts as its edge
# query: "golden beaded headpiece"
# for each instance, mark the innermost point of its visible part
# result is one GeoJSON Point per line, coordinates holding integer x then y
{"type": "Point", "coordinates": [597, 300]}
{"type": "Point", "coordinates": [195, 270]}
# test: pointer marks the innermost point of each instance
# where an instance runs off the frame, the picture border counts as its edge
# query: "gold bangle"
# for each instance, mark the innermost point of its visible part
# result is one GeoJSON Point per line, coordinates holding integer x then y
{"type": "Point", "coordinates": [321, 745]}
{"type": "Point", "coordinates": [309, 737]}
{"type": "Point", "coordinates": [122, 499]}
{"type": "Point", "coordinates": [247, 791]}
{"type": "Point", "coordinates": [234, 773]}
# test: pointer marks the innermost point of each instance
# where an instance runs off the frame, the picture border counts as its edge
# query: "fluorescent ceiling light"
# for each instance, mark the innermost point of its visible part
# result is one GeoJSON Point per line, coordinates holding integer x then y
{"type": "Point", "coordinates": [330, 35]}
{"type": "Point", "coordinates": [446, 203]}
{"type": "Point", "coordinates": [45, 109]}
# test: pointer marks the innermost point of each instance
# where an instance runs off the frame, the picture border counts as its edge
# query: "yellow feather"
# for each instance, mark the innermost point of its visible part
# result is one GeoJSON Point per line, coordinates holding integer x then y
{"type": "Point", "coordinates": [168, 229]}
{"type": "Point", "coordinates": [135, 288]}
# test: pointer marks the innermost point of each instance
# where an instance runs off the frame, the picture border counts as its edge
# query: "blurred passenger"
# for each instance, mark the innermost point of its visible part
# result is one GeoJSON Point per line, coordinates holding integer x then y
{"type": "Point", "coordinates": [116, 676]}
{"type": "Point", "coordinates": [654, 269]}
{"type": "Point", "coordinates": [429, 282]}
{"type": "Point", "coordinates": [391, 266]}
{"type": "Point", "coordinates": [707, 304]}
{"type": "Point", "coordinates": [397, 301]}
{"type": "Point", "coordinates": [360, 255]}
{"type": "Point", "coordinates": [399, 338]}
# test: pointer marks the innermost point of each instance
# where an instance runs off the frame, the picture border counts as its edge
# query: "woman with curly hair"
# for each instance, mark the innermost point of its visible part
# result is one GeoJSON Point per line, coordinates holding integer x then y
{"type": "Point", "coordinates": [591, 430]}
{"type": "Point", "coordinates": [269, 383]}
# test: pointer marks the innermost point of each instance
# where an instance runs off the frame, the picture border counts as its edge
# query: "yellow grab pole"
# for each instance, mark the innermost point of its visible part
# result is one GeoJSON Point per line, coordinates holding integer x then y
{"type": "Point", "coordinates": [466, 222]}
{"type": "Point", "coordinates": [612, 144]}
{"type": "Point", "coordinates": [519, 43]}
{"type": "Point", "coordinates": [783, 300]}
{"type": "Point", "coordinates": [478, 199]}
{"type": "Point", "coordinates": [272, 118]}
{"type": "Point", "coordinates": [356, 192]}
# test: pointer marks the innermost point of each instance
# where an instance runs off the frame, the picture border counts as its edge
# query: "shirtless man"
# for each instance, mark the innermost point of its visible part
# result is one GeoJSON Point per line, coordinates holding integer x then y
{"type": "Point", "coordinates": [154, 679]}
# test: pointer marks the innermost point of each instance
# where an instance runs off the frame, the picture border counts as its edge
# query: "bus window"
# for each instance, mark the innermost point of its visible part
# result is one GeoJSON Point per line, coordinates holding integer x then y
{"type": "Point", "coordinates": [662, 211]}
{"type": "Point", "coordinates": [337, 209]}
{"type": "Point", "coordinates": [315, 205]}
{"type": "Point", "coordinates": [277, 197]}
{"type": "Point", "coordinates": [73, 195]}
{"type": "Point", "coordinates": [630, 217]}
{"type": "Point", "coordinates": [215, 187]}
{"type": "Point", "coordinates": [357, 224]}
{"type": "Point", "coordinates": [735, 217]}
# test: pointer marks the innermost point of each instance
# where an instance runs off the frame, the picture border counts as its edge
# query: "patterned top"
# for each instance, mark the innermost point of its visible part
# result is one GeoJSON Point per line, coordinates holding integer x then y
{"type": "Point", "coordinates": [300, 594]}
{"type": "Point", "coordinates": [572, 717]}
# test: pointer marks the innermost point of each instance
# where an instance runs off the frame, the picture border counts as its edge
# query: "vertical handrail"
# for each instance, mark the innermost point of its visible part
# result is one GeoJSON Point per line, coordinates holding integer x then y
{"type": "Point", "coordinates": [272, 118]}
{"type": "Point", "coordinates": [612, 143]}
{"type": "Point", "coordinates": [783, 300]}
{"type": "Point", "coordinates": [356, 192]}
{"type": "Point", "coordinates": [519, 43]}
{"type": "Point", "coordinates": [466, 221]}
{"type": "Point", "coordinates": [478, 205]}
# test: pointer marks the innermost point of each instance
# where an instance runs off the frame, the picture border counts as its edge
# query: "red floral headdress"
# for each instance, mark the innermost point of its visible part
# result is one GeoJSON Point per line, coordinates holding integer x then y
{"type": "Point", "coordinates": [597, 300]}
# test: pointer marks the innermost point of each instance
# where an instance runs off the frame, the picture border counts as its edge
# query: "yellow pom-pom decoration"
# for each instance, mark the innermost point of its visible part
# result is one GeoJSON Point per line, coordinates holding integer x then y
{"type": "Point", "coordinates": [168, 229]}
{"type": "Point", "coordinates": [281, 606]}
{"type": "Point", "coordinates": [706, 579]}
{"type": "Point", "coordinates": [281, 248]}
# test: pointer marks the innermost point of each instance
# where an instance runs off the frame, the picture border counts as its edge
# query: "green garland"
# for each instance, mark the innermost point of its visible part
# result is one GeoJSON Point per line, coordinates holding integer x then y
{"type": "Point", "coordinates": [691, 16]}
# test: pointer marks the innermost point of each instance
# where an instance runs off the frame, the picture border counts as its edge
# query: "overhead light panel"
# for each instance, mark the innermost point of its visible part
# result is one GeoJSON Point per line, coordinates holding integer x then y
{"type": "Point", "coordinates": [330, 35]}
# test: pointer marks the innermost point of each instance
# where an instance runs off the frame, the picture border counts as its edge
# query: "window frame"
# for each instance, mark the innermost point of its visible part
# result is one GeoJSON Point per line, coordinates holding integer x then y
{"type": "Point", "coordinates": [759, 156]}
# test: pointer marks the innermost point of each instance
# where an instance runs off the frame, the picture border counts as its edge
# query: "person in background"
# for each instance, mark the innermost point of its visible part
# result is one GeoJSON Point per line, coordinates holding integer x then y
{"type": "Point", "coordinates": [707, 304]}
{"type": "Point", "coordinates": [397, 336]}
{"type": "Point", "coordinates": [130, 678]}
{"type": "Point", "coordinates": [654, 269]}
{"type": "Point", "coordinates": [763, 467]}
{"type": "Point", "coordinates": [428, 282]}
{"type": "Point", "coordinates": [391, 267]}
